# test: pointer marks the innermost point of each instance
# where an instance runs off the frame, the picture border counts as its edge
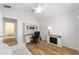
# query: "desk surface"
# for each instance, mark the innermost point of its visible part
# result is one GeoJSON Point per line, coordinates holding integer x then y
{"type": "Point", "coordinates": [28, 34]}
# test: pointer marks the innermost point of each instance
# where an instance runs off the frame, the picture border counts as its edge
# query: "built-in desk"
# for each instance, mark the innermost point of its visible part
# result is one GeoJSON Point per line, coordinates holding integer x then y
{"type": "Point", "coordinates": [28, 30]}
{"type": "Point", "coordinates": [28, 34]}
{"type": "Point", "coordinates": [28, 37]}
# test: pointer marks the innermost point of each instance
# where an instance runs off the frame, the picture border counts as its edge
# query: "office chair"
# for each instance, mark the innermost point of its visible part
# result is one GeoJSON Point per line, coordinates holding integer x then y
{"type": "Point", "coordinates": [36, 37]}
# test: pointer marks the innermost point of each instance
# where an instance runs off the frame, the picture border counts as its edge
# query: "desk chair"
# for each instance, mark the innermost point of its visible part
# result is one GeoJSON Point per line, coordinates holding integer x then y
{"type": "Point", "coordinates": [36, 37]}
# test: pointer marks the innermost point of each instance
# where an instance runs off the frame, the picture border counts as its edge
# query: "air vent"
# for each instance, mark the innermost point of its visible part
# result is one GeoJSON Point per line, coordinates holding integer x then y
{"type": "Point", "coordinates": [7, 6]}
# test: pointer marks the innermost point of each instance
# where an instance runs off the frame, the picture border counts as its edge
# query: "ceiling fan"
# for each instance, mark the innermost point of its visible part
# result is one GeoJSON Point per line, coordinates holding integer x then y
{"type": "Point", "coordinates": [39, 9]}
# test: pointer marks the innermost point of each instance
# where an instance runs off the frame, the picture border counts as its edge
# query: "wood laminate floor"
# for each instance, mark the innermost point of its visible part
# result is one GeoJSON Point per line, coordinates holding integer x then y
{"type": "Point", "coordinates": [43, 48]}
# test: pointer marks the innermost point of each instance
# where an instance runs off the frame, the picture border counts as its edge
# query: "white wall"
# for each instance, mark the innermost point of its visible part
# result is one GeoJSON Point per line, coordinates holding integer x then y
{"type": "Point", "coordinates": [78, 34]}
{"type": "Point", "coordinates": [1, 24]}
{"type": "Point", "coordinates": [64, 25]}
{"type": "Point", "coordinates": [21, 17]}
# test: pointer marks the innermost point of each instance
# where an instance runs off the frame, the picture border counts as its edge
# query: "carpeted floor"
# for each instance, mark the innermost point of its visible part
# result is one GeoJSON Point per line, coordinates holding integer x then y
{"type": "Point", "coordinates": [10, 41]}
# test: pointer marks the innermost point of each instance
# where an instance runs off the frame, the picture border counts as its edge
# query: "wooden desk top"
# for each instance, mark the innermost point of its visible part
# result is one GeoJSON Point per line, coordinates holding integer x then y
{"type": "Point", "coordinates": [28, 34]}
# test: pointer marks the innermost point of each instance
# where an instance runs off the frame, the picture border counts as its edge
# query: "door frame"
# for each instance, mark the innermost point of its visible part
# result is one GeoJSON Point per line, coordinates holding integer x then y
{"type": "Point", "coordinates": [6, 19]}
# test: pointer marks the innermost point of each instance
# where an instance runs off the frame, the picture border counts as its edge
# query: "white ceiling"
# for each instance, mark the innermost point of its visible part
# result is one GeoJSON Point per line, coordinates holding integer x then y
{"type": "Point", "coordinates": [50, 9]}
{"type": "Point", "coordinates": [19, 6]}
{"type": "Point", "coordinates": [57, 9]}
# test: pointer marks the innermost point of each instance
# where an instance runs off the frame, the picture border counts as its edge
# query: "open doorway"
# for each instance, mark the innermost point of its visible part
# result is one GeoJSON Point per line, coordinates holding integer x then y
{"type": "Point", "coordinates": [10, 31]}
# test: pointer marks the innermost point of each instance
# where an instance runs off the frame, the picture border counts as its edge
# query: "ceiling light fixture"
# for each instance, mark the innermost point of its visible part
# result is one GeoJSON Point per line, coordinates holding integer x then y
{"type": "Point", "coordinates": [39, 9]}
